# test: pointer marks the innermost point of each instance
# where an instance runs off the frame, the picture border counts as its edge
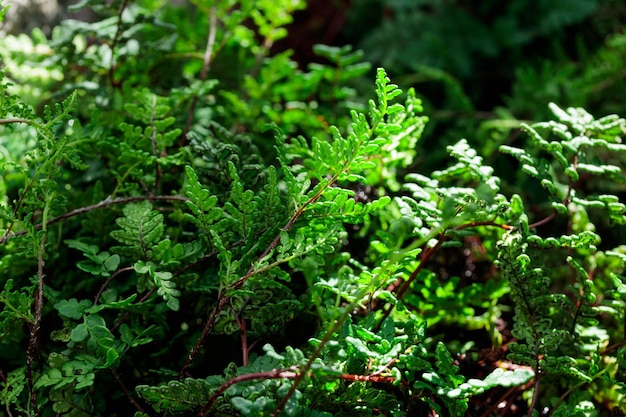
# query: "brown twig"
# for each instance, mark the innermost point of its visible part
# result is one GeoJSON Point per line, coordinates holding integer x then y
{"type": "Point", "coordinates": [286, 374]}
{"type": "Point", "coordinates": [273, 374]}
{"type": "Point", "coordinates": [105, 203]}
{"type": "Point", "coordinates": [426, 255]}
{"type": "Point", "coordinates": [503, 399]}
{"type": "Point", "coordinates": [241, 322]}
{"type": "Point", "coordinates": [533, 402]}
{"type": "Point", "coordinates": [224, 298]}
{"type": "Point", "coordinates": [613, 347]}
{"type": "Point", "coordinates": [126, 392]}
{"type": "Point", "coordinates": [108, 281]}
{"type": "Point", "coordinates": [36, 325]}
{"type": "Point", "coordinates": [368, 378]}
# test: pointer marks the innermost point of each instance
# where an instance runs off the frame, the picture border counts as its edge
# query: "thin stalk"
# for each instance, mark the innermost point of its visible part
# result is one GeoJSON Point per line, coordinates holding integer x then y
{"type": "Point", "coordinates": [38, 308]}
{"type": "Point", "coordinates": [533, 402]}
{"type": "Point", "coordinates": [224, 299]}
{"type": "Point", "coordinates": [135, 404]}
{"type": "Point", "coordinates": [316, 353]}
{"type": "Point", "coordinates": [276, 373]}
{"type": "Point", "coordinates": [108, 281]}
{"type": "Point", "coordinates": [104, 203]}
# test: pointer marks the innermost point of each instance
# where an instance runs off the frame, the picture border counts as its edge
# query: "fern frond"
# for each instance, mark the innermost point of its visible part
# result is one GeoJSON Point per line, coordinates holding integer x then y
{"type": "Point", "coordinates": [141, 229]}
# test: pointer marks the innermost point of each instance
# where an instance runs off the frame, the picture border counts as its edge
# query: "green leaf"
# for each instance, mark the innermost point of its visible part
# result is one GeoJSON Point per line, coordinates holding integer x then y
{"type": "Point", "coordinates": [141, 229]}
{"type": "Point", "coordinates": [80, 333]}
{"type": "Point", "coordinates": [243, 405]}
{"type": "Point", "coordinates": [72, 308]}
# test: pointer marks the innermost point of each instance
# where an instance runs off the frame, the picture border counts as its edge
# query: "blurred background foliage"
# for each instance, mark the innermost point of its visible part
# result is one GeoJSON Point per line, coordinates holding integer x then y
{"type": "Point", "coordinates": [478, 66]}
{"type": "Point", "coordinates": [481, 66]}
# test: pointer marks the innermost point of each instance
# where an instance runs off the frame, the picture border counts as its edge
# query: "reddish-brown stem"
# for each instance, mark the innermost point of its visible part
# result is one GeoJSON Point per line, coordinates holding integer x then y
{"type": "Point", "coordinates": [276, 373]}
{"type": "Point", "coordinates": [108, 281]}
{"type": "Point", "coordinates": [533, 402]}
{"type": "Point", "coordinates": [241, 322]}
{"type": "Point", "coordinates": [286, 374]}
{"type": "Point", "coordinates": [126, 392]}
{"type": "Point", "coordinates": [387, 365]}
{"type": "Point", "coordinates": [252, 345]}
{"type": "Point", "coordinates": [613, 347]}
{"type": "Point", "coordinates": [368, 378]}
{"type": "Point", "coordinates": [36, 326]}
{"type": "Point", "coordinates": [426, 255]}
{"type": "Point", "coordinates": [208, 325]}
{"type": "Point", "coordinates": [543, 221]}
{"type": "Point", "coordinates": [224, 298]}
{"type": "Point", "coordinates": [502, 399]}
{"type": "Point", "coordinates": [102, 204]}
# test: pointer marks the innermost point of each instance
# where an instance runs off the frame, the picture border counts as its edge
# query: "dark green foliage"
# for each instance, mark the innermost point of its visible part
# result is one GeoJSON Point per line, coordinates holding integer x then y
{"type": "Point", "coordinates": [430, 40]}
{"type": "Point", "coordinates": [192, 225]}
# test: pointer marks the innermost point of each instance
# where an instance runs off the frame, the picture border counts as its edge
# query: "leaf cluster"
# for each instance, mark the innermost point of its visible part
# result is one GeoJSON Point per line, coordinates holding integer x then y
{"type": "Point", "coordinates": [204, 228]}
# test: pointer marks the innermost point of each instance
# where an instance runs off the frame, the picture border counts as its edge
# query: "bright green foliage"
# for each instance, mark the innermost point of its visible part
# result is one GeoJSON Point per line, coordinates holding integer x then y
{"type": "Point", "coordinates": [555, 329]}
{"type": "Point", "coordinates": [102, 263]}
{"type": "Point", "coordinates": [592, 147]}
{"type": "Point", "coordinates": [194, 198]}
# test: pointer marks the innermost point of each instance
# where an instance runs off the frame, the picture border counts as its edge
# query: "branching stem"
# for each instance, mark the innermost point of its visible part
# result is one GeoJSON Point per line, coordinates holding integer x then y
{"type": "Point", "coordinates": [533, 402]}
{"type": "Point", "coordinates": [108, 281]}
{"type": "Point", "coordinates": [225, 298]}
{"type": "Point", "coordinates": [38, 309]}
{"type": "Point", "coordinates": [135, 404]}
{"type": "Point", "coordinates": [426, 255]}
{"type": "Point", "coordinates": [273, 374]}
{"type": "Point", "coordinates": [104, 203]}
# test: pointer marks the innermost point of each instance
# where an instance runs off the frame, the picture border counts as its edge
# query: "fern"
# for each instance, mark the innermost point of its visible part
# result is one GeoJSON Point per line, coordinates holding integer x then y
{"type": "Point", "coordinates": [141, 229]}
{"type": "Point", "coordinates": [221, 272]}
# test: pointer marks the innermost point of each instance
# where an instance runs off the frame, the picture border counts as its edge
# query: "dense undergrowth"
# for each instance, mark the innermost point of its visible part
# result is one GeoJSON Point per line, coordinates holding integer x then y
{"type": "Point", "coordinates": [191, 225]}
